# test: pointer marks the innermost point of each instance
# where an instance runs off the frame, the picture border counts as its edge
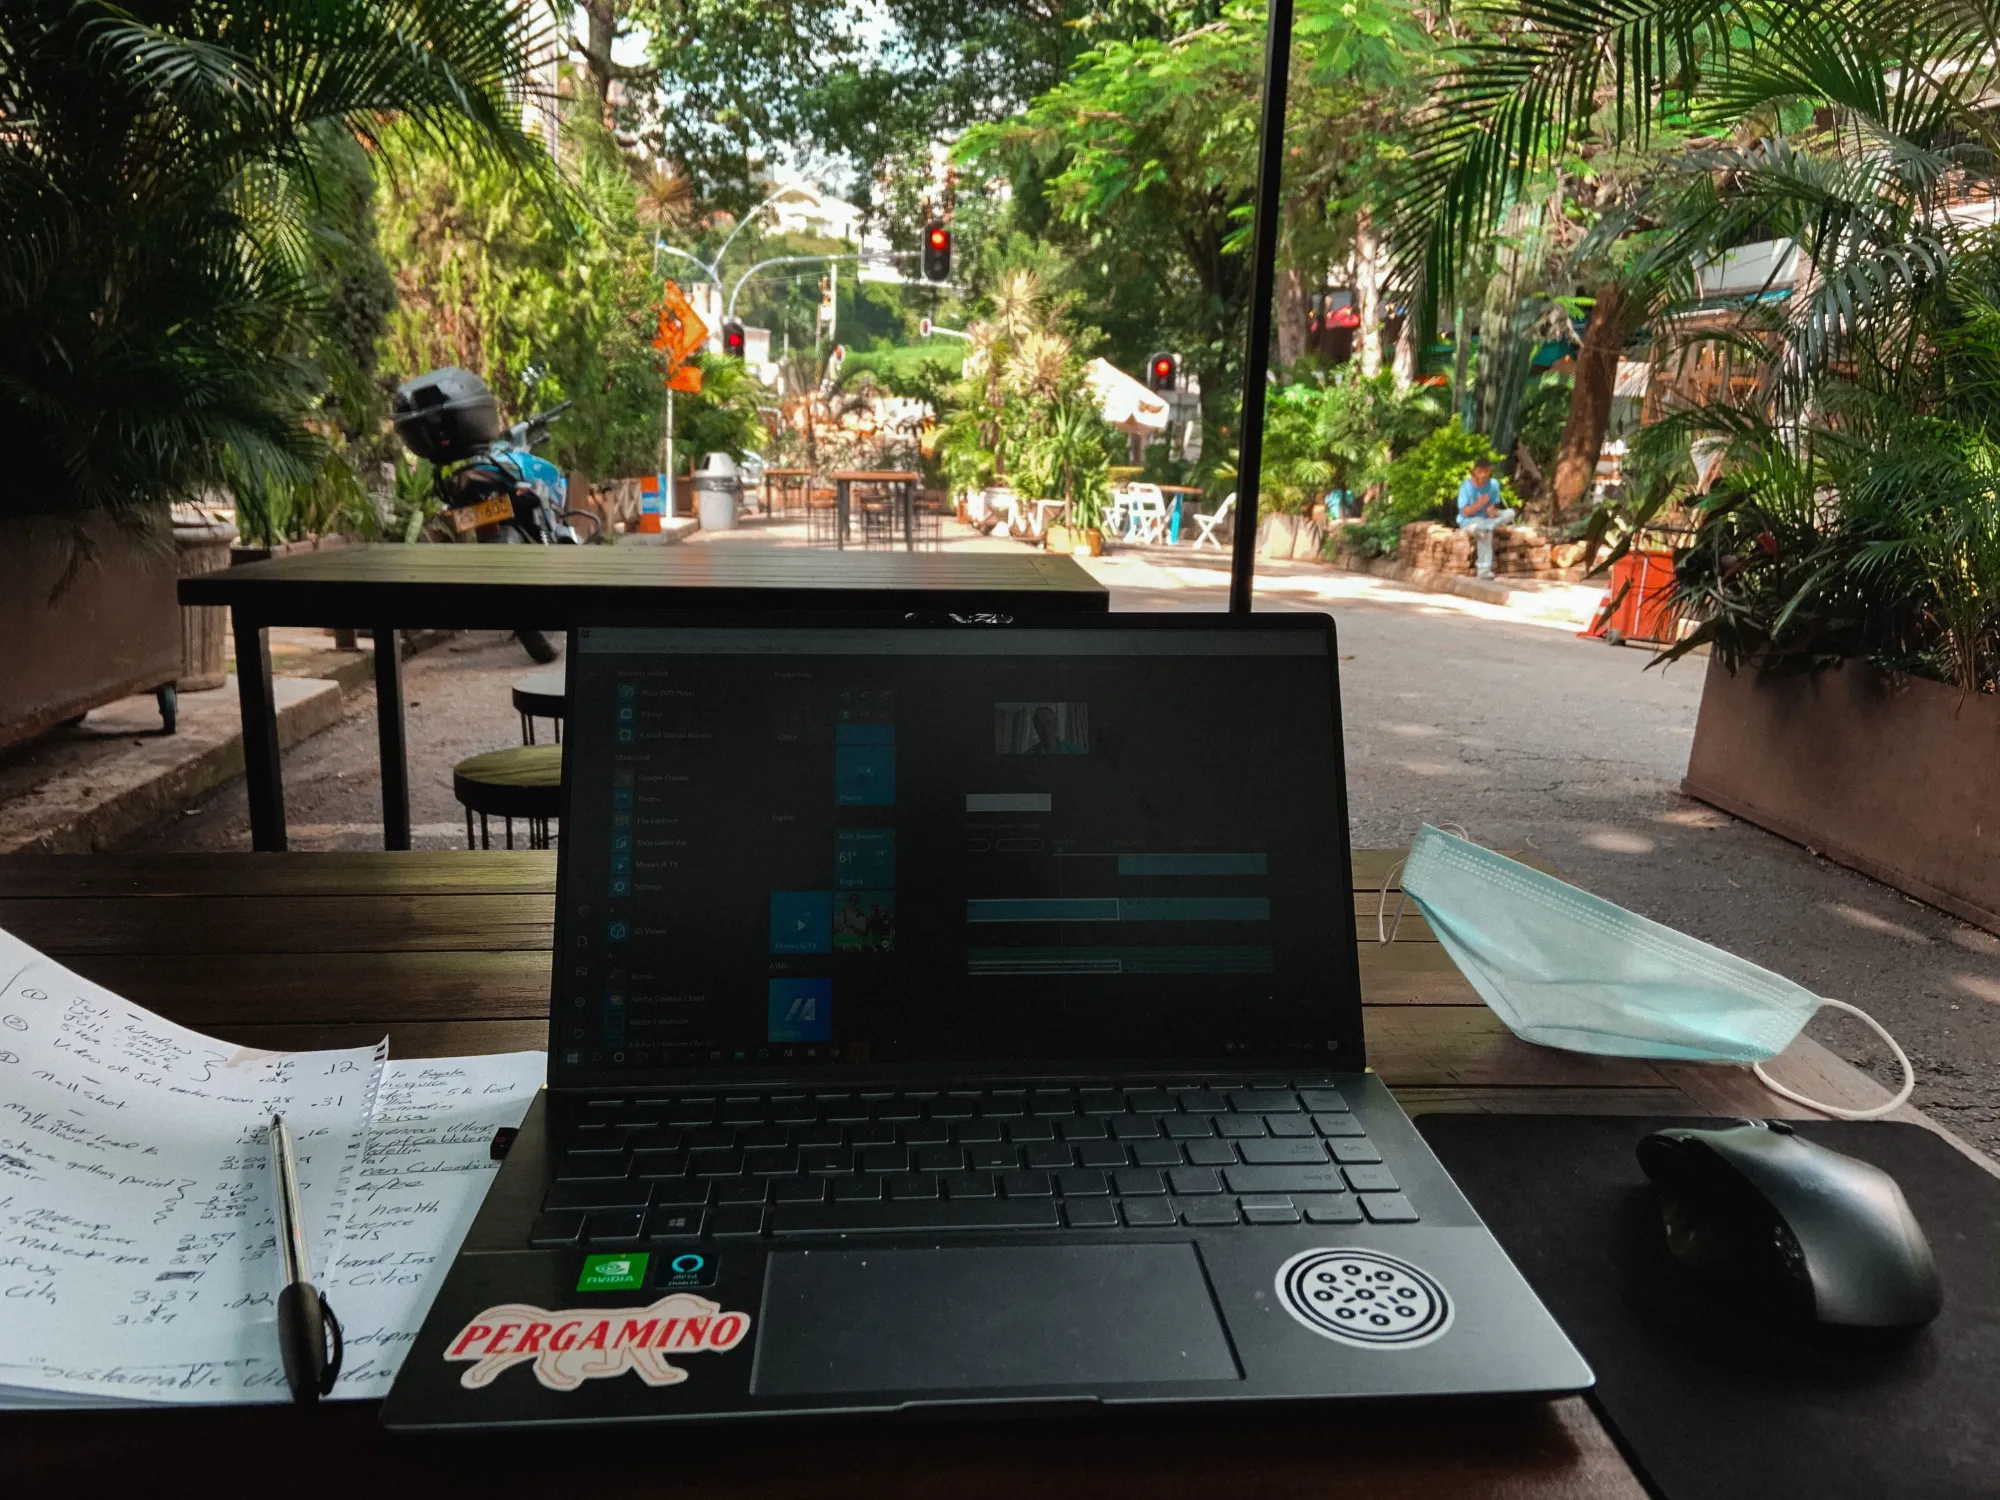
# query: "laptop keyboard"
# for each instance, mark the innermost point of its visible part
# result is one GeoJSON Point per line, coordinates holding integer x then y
{"type": "Point", "coordinates": [718, 1165]}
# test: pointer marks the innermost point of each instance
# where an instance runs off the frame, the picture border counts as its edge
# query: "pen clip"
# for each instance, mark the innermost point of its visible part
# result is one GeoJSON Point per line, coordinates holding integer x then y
{"type": "Point", "coordinates": [338, 1353]}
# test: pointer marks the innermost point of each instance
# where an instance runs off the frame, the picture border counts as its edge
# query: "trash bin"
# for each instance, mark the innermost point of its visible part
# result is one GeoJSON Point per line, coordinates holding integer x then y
{"type": "Point", "coordinates": [717, 486]}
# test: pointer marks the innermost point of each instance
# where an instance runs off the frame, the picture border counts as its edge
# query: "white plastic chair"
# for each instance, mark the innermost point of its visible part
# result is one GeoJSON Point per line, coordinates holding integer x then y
{"type": "Point", "coordinates": [1209, 521]}
{"type": "Point", "coordinates": [1145, 514]}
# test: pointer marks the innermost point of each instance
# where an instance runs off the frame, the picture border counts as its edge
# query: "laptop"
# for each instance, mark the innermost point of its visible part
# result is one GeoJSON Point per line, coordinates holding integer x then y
{"type": "Point", "coordinates": [960, 1012]}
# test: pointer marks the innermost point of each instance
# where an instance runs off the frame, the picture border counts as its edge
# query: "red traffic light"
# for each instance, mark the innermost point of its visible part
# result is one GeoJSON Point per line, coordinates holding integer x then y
{"type": "Point", "coordinates": [937, 252]}
{"type": "Point", "coordinates": [1163, 372]}
{"type": "Point", "coordinates": [732, 338]}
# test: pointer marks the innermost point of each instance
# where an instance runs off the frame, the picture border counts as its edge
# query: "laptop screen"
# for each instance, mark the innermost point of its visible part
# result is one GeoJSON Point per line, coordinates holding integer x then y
{"type": "Point", "coordinates": [797, 847]}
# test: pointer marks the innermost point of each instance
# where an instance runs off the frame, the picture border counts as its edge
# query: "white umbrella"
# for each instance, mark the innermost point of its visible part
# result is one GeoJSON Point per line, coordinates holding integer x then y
{"type": "Point", "coordinates": [1123, 401]}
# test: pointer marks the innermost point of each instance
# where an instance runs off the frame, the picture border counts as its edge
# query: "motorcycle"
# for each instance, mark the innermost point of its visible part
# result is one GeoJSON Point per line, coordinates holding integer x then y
{"type": "Point", "coordinates": [492, 485]}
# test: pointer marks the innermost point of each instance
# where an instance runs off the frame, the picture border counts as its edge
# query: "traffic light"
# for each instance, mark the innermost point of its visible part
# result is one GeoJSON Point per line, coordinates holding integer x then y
{"type": "Point", "coordinates": [937, 251]}
{"type": "Point", "coordinates": [1163, 372]}
{"type": "Point", "coordinates": [732, 338]}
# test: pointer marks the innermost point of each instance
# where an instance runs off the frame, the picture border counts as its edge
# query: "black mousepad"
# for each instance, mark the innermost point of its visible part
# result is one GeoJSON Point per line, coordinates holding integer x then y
{"type": "Point", "coordinates": [1712, 1400]}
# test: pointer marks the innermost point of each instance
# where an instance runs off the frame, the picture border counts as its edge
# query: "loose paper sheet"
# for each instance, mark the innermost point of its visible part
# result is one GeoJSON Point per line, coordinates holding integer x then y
{"type": "Point", "coordinates": [138, 1256]}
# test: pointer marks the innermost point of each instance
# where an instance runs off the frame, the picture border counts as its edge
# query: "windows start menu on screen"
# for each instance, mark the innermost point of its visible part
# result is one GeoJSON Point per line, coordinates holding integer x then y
{"type": "Point", "coordinates": [937, 851]}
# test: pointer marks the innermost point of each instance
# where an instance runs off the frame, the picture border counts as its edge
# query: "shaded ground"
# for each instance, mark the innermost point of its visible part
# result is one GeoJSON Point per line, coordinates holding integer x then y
{"type": "Point", "coordinates": [1455, 713]}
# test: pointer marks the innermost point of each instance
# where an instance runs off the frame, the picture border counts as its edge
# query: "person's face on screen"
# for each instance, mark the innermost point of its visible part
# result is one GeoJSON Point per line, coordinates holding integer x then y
{"type": "Point", "coordinates": [1045, 727]}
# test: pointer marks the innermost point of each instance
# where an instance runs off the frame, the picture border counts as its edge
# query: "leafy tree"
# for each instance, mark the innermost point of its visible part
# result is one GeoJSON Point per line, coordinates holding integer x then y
{"type": "Point", "coordinates": [546, 301]}
{"type": "Point", "coordinates": [865, 89]}
{"type": "Point", "coordinates": [1140, 166]}
{"type": "Point", "coordinates": [161, 312]}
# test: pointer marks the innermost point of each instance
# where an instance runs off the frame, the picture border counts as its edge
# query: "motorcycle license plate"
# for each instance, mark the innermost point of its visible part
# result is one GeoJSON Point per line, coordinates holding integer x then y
{"type": "Point", "coordinates": [485, 513]}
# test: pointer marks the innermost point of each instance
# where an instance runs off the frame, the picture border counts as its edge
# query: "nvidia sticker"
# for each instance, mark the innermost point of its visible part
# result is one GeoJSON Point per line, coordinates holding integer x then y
{"type": "Point", "coordinates": [613, 1273]}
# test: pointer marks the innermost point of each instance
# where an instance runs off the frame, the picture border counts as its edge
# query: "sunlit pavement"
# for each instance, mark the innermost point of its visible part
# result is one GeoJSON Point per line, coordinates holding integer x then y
{"type": "Point", "coordinates": [1167, 578]}
{"type": "Point", "coordinates": [1455, 711]}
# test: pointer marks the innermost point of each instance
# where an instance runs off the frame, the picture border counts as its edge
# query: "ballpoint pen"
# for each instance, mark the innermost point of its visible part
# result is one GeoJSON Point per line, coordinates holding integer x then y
{"type": "Point", "coordinates": [308, 1333]}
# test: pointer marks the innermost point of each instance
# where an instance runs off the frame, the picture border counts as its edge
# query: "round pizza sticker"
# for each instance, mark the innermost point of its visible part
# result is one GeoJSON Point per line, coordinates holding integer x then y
{"type": "Point", "coordinates": [1364, 1298]}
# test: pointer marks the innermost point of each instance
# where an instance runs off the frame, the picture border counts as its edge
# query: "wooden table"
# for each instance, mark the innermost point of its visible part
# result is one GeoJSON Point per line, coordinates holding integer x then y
{"type": "Point", "coordinates": [778, 495]}
{"type": "Point", "coordinates": [903, 483]}
{"type": "Point", "coordinates": [449, 953]}
{"type": "Point", "coordinates": [387, 589]}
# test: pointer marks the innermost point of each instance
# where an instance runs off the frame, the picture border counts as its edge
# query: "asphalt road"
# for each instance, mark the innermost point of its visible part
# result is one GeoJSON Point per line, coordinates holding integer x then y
{"type": "Point", "coordinates": [1521, 734]}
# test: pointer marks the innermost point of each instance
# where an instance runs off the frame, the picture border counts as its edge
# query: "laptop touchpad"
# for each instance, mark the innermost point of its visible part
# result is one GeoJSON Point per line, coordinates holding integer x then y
{"type": "Point", "coordinates": [983, 1318]}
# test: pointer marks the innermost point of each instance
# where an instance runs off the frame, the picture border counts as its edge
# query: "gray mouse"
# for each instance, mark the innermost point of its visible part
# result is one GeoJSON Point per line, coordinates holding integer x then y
{"type": "Point", "coordinates": [1762, 1212]}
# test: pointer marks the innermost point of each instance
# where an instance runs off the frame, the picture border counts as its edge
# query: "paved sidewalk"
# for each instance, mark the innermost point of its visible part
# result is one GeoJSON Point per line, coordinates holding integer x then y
{"type": "Point", "coordinates": [117, 774]}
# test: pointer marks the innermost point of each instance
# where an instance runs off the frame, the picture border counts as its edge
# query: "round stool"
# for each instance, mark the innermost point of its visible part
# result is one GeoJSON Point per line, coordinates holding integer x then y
{"type": "Point", "coordinates": [524, 782]}
{"type": "Point", "coordinates": [539, 695]}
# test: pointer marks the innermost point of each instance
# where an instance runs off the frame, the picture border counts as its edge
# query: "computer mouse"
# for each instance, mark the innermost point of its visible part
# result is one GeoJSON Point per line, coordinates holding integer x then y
{"type": "Point", "coordinates": [1764, 1213]}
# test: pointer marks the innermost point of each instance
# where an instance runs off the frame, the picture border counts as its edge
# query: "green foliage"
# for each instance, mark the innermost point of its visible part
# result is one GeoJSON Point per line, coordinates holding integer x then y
{"type": "Point", "coordinates": [1064, 458]}
{"type": "Point", "coordinates": [168, 189]}
{"type": "Point", "coordinates": [1337, 431]}
{"type": "Point", "coordinates": [546, 301]}
{"type": "Point", "coordinates": [723, 418]}
{"type": "Point", "coordinates": [1544, 410]}
{"type": "Point", "coordinates": [868, 86]}
{"type": "Point", "coordinates": [1422, 484]}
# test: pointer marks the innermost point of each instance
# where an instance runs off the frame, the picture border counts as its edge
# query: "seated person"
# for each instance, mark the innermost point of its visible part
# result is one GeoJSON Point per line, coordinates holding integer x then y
{"type": "Point", "coordinates": [1480, 510]}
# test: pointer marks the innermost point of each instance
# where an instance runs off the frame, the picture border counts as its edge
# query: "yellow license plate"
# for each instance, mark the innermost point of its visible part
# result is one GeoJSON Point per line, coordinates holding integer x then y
{"type": "Point", "coordinates": [485, 513]}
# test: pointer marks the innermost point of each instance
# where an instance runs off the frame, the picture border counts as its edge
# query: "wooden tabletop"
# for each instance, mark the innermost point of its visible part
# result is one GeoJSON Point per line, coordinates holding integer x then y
{"type": "Point", "coordinates": [449, 953]}
{"type": "Point", "coordinates": [882, 476]}
{"type": "Point", "coordinates": [786, 473]}
{"type": "Point", "coordinates": [470, 587]}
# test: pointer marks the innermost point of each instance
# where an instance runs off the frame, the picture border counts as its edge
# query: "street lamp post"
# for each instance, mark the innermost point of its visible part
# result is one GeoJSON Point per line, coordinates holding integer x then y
{"type": "Point", "coordinates": [712, 269]}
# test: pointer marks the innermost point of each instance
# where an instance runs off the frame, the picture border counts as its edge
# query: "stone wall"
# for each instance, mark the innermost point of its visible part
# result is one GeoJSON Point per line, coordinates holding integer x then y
{"type": "Point", "coordinates": [1518, 551]}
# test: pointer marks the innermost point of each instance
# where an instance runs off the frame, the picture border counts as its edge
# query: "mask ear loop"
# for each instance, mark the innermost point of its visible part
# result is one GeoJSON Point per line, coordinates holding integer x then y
{"type": "Point", "coordinates": [1382, 938]}
{"type": "Point", "coordinates": [1902, 1094]}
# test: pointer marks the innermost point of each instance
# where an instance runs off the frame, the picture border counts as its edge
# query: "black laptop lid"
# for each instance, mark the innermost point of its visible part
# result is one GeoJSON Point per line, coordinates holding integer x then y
{"type": "Point", "coordinates": [838, 848]}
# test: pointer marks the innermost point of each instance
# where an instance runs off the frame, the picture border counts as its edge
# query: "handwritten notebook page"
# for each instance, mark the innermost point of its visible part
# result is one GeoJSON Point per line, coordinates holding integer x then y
{"type": "Point", "coordinates": [421, 1180]}
{"type": "Point", "coordinates": [138, 1251]}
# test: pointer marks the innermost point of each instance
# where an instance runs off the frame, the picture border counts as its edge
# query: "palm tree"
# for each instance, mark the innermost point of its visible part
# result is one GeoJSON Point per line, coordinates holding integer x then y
{"type": "Point", "coordinates": [159, 165]}
{"type": "Point", "coordinates": [1853, 514]}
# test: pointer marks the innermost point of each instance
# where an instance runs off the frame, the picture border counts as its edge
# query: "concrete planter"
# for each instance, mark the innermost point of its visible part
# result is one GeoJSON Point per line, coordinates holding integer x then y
{"type": "Point", "coordinates": [1891, 776]}
{"type": "Point", "coordinates": [203, 547]}
{"type": "Point", "coordinates": [1286, 538]}
{"type": "Point", "coordinates": [113, 631]}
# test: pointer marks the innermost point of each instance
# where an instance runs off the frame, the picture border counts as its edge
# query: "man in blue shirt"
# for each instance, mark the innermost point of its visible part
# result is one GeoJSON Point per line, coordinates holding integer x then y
{"type": "Point", "coordinates": [1480, 510]}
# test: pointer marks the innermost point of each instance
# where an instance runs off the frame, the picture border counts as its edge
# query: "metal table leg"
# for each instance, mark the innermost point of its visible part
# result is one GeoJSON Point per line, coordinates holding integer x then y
{"type": "Point", "coordinates": [840, 488]}
{"type": "Point", "coordinates": [389, 731]}
{"type": "Point", "coordinates": [259, 710]}
{"type": "Point", "coordinates": [909, 516]}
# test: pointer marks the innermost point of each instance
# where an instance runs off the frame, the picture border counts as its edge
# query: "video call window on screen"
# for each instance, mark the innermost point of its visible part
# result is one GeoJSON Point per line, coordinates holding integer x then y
{"type": "Point", "coordinates": [1041, 728]}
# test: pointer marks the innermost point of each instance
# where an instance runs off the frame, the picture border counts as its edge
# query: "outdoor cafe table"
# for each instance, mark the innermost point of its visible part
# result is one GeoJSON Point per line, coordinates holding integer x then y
{"type": "Point", "coordinates": [1178, 495]}
{"type": "Point", "coordinates": [387, 589]}
{"type": "Point", "coordinates": [448, 953]}
{"type": "Point", "coordinates": [900, 482]}
{"type": "Point", "coordinates": [780, 485]}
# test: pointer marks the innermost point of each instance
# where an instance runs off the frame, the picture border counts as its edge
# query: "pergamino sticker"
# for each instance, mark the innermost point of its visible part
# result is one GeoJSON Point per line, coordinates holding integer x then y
{"type": "Point", "coordinates": [596, 1343]}
{"type": "Point", "coordinates": [1364, 1298]}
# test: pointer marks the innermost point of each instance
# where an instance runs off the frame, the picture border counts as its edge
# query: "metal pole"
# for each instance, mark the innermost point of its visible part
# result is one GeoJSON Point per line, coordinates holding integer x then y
{"type": "Point", "coordinates": [670, 499]}
{"type": "Point", "coordinates": [1263, 277]}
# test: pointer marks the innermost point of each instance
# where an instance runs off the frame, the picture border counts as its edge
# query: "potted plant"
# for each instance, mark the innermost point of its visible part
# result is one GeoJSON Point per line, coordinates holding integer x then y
{"type": "Point", "coordinates": [1065, 460]}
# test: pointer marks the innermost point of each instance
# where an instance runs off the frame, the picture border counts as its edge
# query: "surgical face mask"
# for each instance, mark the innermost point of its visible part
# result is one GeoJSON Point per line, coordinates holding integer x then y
{"type": "Point", "coordinates": [1566, 969]}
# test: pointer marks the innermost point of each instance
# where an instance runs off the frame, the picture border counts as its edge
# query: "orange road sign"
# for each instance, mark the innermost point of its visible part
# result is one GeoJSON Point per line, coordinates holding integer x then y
{"type": "Point", "coordinates": [681, 328]}
{"type": "Point", "coordinates": [686, 379]}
